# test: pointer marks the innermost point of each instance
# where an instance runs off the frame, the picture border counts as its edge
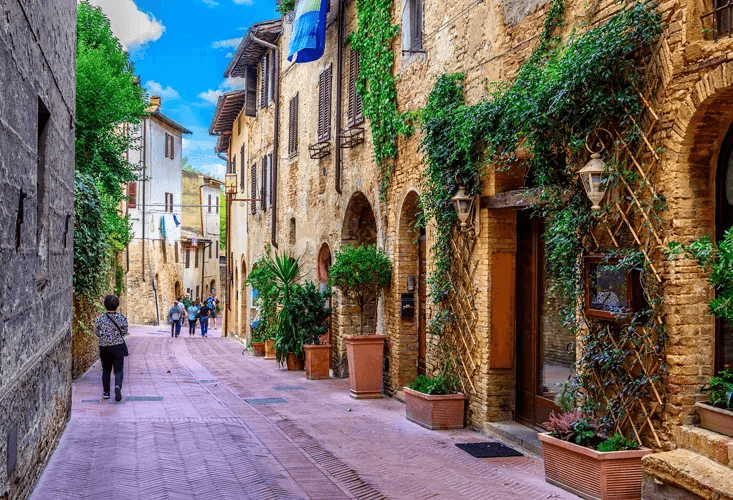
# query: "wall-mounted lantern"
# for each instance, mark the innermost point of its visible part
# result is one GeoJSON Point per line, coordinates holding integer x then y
{"type": "Point", "coordinates": [463, 205]}
{"type": "Point", "coordinates": [411, 283]}
{"type": "Point", "coordinates": [595, 174]}
{"type": "Point", "coordinates": [230, 184]}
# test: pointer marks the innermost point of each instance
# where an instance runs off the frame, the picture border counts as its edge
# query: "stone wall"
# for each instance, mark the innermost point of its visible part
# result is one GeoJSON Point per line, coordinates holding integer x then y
{"type": "Point", "coordinates": [37, 50]}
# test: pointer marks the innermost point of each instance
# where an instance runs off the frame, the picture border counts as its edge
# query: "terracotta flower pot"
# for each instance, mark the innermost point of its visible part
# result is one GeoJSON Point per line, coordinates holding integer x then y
{"type": "Point", "coordinates": [270, 349]}
{"type": "Point", "coordinates": [435, 411]}
{"type": "Point", "coordinates": [715, 419]}
{"type": "Point", "coordinates": [295, 364]}
{"type": "Point", "coordinates": [259, 348]}
{"type": "Point", "coordinates": [365, 354]}
{"type": "Point", "coordinates": [592, 474]}
{"type": "Point", "coordinates": [317, 361]}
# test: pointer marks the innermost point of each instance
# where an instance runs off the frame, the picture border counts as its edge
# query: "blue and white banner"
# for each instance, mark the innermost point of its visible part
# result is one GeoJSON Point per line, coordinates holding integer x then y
{"type": "Point", "coordinates": [308, 40]}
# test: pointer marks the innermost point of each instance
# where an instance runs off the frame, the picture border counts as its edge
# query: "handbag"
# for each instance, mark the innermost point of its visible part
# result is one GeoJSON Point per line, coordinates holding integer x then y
{"type": "Point", "coordinates": [125, 350]}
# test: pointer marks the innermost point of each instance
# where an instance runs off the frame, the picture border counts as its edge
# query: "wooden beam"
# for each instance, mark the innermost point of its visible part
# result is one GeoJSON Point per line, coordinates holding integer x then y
{"type": "Point", "coordinates": [515, 199]}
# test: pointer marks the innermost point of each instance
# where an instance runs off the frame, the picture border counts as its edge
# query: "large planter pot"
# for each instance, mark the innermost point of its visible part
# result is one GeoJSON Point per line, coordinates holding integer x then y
{"type": "Point", "coordinates": [316, 361]}
{"type": "Point", "coordinates": [365, 354]}
{"type": "Point", "coordinates": [270, 349]}
{"type": "Point", "coordinates": [258, 348]}
{"type": "Point", "coordinates": [435, 411]}
{"type": "Point", "coordinates": [591, 474]}
{"type": "Point", "coordinates": [294, 363]}
{"type": "Point", "coordinates": [715, 419]}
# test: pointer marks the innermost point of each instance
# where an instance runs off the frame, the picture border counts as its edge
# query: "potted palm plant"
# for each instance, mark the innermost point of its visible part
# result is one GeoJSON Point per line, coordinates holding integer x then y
{"type": "Point", "coordinates": [258, 339]}
{"type": "Point", "coordinates": [717, 414]}
{"type": "Point", "coordinates": [360, 273]}
{"type": "Point", "coordinates": [582, 458]}
{"type": "Point", "coordinates": [435, 403]}
{"type": "Point", "coordinates": [262, 282]}
{"type": "Point", "coordinates": [289, 339]}
{"type": "Point", "coordinates": [312, 315]}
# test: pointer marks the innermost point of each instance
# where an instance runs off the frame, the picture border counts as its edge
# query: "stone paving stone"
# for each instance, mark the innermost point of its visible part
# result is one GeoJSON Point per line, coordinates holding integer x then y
{"type": "Point", "coordinates": [203, 440]}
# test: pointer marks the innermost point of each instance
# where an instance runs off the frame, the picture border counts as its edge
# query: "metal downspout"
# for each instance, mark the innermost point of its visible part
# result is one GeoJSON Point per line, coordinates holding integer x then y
{"type": "Point", "coordinates": [339, 75]}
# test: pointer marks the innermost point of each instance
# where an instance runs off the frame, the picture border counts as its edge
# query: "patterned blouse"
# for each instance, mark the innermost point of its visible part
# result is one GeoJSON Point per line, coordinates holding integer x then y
{"type": "Point", "coordinates": [107, 333]}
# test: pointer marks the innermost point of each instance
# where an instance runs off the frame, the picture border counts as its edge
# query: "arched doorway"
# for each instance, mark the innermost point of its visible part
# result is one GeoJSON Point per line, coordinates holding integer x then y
{"type": "Point", "coordinates": [177, 293]}
{"type": "Point", "coordinates": [411, 285]}
{"type": "Point", "coordinates": [243, 303]}
{"type": "Point", "coordinates": [324, 262]}
{"type": "Point", "coordinates": [212, 286]}
{"type": "Point", "coordinates": [723, 223]}
{"type": "Point", "coordinates": [359, 228]}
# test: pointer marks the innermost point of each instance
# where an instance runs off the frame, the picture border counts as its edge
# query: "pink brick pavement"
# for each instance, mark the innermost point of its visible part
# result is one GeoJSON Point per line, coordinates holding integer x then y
{"type": "Point", "coordinates": [203, 440]}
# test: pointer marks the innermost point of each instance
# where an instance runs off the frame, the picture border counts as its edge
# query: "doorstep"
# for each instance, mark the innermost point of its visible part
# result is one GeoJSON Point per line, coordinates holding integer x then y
{"type": "Point", "coordinates": [515, 433]}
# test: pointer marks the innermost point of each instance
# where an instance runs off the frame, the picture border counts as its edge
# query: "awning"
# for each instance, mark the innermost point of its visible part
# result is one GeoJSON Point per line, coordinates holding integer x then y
{"type": "Point", "coordinates": [227, 110]}
{"type": "Point", "coordinates": [250, 52]}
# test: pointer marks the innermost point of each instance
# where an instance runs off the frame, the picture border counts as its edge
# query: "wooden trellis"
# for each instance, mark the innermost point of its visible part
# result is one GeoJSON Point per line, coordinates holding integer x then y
{"type": "Point", "coordinates": [634, 222]}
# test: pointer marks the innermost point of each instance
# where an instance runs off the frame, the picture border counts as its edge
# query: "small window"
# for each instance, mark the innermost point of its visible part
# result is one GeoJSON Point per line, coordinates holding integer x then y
{"type": "Point", "coordinates": [175, 248]}
{"type": "Point", "coordinates": [241, 175]}
{"type": "Point", "coordinates": [132, 195]}
{"type": "Point", "coordinates": [210, 250]}
{"type": "Point", "coordinates": [209, 203]}
{"type": "Point", "coordinates": [188, 260]}
{"type": "Point", "coordinates": [293, 127]}
{"type": "Point", "coordinates": [412, 20]}
{"type": "Point", "coordinates": [253, 187]}
{"type": "Point", "coordinates": [611, 292]}
{"type": "Point", "coordinates": [196, 259]}
{"type": "Point", "coordinates": [270, 185]}
{"type": "Point", "coordinates": [356, 107]}
{"type": "Point", "coordinates": [324, 105]}
{"type": "Point", "coordinates": [264, 79]}
{"type": "Point", "coordinates": [163, 250]}
{"type": "Point", "coordinates": [217, 204]}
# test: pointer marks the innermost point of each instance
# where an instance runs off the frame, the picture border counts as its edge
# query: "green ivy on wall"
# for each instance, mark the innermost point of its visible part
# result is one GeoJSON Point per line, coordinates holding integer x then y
{"type": "Point", "coordinates": [376, 83]}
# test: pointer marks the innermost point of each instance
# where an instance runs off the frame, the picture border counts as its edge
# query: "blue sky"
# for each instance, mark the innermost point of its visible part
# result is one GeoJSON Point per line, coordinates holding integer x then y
{"type": "Point", "coordinates": [180, 49]}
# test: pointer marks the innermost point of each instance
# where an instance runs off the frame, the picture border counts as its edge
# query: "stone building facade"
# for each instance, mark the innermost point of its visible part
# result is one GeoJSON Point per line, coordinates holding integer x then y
{"type": "Point", "coordinates": [314, 213]}
{"type": "Point", "coordinates": [37, 117]}
{"type": "Point", "coordinates": [153, 262]}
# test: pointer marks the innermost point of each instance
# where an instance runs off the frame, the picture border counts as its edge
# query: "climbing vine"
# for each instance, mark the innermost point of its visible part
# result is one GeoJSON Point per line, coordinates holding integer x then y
{"type": "Point", "coordinates": [565, 90]}
{"type": "Point", "coordinates": [376, 83]}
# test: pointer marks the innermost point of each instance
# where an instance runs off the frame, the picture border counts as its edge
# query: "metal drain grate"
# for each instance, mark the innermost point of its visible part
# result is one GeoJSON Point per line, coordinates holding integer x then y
{"type": "Point", "coordinates": [90, 401]}
{"type": "Point", "coordinates": [144, 398]}
{"type": "Point", "coordinates": [488, 450]}
{"type": "Point", "coordinates": [265, 401]}
{"type": "Point", "coordinates": [290, 388]}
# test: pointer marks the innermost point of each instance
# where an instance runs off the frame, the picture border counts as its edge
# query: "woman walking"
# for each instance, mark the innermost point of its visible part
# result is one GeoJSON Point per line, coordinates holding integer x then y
{"type": "Point", "coordinates": [193, 311]}
{"type": "Point", "coordinates": [111, 328]}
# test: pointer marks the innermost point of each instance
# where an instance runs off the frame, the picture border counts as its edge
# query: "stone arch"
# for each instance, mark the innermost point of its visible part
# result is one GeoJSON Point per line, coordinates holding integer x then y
{"type": "Point", "coordinates": [693, 147]}
{"type": "Point", "coordinates": [360, 225]}
{"type": "Point", "coordinates": [324, 262]}
{"type": "Point", "coordinates": [212, 286]}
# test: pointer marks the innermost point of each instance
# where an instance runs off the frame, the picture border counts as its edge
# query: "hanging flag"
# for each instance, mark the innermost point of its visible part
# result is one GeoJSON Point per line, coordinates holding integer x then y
{"type": "Point", "coordinates": [308, 39]}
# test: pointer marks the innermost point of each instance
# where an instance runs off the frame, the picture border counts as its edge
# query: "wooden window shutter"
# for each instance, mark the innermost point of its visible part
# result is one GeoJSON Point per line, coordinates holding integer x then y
{"type": "Point", "coordinates": [269, 182]}
{"type": "Point", "coordinates": [131, 194]}
{"type": "Point", "coordinates": [218, 203]}
{"type": "Point", "coordinates": [253, 194]}
{"type": "Point", "coordinates": [173, 147]}
{"type": "Point", "coordinates": [196, 258]}
{"type": "Point", "coordinates": [263, 82]}
{"type": "Point", "coordinates": [210, 249]}
{"type": "Point", "coordinates": [175, 247]}
{"type": "Point", "coordinates": [352, 87]}
{"type": "Point", "coordinates": [209, 203]}
{"type": "Point", "coordinates": [162, 249]}
{"type": "Point", "coordinates": [271, 73]}
{"type": "Point", "coordinates": [293, 127]}
{"type": "Point", "coordinates": [250, 105]}
{"type": "Point", "coordinates": [321, 94]}
{"type": "Point", "coordinates": [242, 182]}
{"type": "Point", "coordinates": [263, 188]}
{"type": "Point", "coordinates": [166, 146]}
{"type": "Point", "coordinates": [233, 164]}
{"type": "Point", "coordinates": [416, 24]}
{"type": "Point", "coordinates": [358, 102]}
{"type": "Point", "coordinates": [188, 258]}
{"type": "Point", "coordinates": [327, 107]}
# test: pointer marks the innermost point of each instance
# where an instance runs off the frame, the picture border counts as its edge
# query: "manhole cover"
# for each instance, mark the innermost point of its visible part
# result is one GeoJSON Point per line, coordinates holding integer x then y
{"type": "Point", "coordinates": [207, 381]}
{"type": "Point", "coordinates": [290, 388]}
{"type": "Point", "coordinates": [144, 398]}
{"type": "Point", "coordinates": [488, 450]}
{"type": "Point", "coordinates": [265, 401]}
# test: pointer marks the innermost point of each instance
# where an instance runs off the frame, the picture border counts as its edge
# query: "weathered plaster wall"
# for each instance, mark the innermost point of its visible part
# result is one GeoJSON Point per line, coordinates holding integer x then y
{"type": "Point", "coordinates": [37, 51]}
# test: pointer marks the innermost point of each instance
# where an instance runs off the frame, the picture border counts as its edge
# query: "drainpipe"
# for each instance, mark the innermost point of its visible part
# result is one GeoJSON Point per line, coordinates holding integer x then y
{"type": "Point", "coordinates": [339, 74]}
{"type": "Point", "coordinates": [145, 181]}
{"type": "Point", "coordinates": [276, 139]}
{"type": "Point", "coordinates": [226, 256]}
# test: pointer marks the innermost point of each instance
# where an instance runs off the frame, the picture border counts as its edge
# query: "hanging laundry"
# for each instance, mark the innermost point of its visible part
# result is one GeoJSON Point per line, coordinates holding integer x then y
{"type": "Point", "coordinates": [308, 39]}
{"type": "Point", "coordinates": [162, 226]}
{"type": "Point", "coordinates": [175, 219]}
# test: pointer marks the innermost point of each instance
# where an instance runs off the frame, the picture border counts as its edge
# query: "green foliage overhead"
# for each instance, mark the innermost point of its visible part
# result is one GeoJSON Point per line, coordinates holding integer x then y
{"type": "Point", "coordinates": [286, 6]}
{"type": "Point", "coordinates": [360, 273]}
{"type": "Point", "coordinates": [376, 83]}
{"type": "Point", "coordinates": [108, 103]}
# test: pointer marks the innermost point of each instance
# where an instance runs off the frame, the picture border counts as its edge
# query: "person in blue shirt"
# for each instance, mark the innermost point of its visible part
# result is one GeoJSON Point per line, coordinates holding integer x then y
{"type": "Point", "coordinates": [193, 311]}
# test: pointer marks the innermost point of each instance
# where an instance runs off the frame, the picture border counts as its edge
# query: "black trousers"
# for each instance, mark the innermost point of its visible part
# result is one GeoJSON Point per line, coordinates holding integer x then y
{"type": "Point", "coordinates": [112, 356]}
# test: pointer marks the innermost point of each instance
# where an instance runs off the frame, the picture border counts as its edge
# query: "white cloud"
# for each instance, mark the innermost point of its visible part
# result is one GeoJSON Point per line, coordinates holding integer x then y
{"type": "Point", "coordinates": [211, 3]}
{"type": "Point", "coordinates": [216, 170]}
{"type": "Point", "coordinates": [211, 96]}
{"type": "Point", "coordinates": [133, 27]}
{"type": "Point", "coordinates": [154, 88]}
{"type": "Point", "coordinates": [227, 44]}
{"type": "Point", "coordinates": [244, 2]}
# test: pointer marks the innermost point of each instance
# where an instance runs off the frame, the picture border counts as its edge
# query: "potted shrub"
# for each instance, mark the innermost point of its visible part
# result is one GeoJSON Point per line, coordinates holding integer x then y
{"type": "Point", "coordinates": [435, 403]}
{"type": "Point", "coordinates": [262, 282]}
{"type": "Point", "coordinates": [717, 414]}
{"type": "Point", "coordinates": [289, 339]}
{"type": "Point", "coordinates": [360, 273]}
{"type": "Point", "coordinates": [312, 315]}
{"type": "Point", "coordinates": [581, 459]}
{"type": "Point", "coordinates": [258, 339]}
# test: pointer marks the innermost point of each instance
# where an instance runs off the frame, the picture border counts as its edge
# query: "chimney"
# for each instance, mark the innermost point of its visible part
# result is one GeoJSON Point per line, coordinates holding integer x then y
{"type": "Point", "coordinates": [154, 103]}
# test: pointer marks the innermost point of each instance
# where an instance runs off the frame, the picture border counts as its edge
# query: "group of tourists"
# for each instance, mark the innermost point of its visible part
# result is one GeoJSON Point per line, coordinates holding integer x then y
{"type": "Point", "coordinates": [193, 311]}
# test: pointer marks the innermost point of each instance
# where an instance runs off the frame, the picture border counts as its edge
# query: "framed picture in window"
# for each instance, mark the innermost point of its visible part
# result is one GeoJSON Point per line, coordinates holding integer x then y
{"type": "Point", "coordinates": [611, 293]}
{"type": "Point", "coordinates": [253, 299]}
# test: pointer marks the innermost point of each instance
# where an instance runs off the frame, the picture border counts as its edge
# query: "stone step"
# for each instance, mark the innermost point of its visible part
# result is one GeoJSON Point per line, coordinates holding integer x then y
{"type": "Point", "coordinates": [710, 444]}
{"type": "Point", "coordinates": [514, 433]}
{"type": "Point", "coordinates": [685, 475]}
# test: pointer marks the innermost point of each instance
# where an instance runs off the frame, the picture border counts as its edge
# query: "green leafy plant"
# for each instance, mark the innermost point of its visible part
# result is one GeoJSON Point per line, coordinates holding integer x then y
{"type": "Point", "coordinates": [716, 259]}
{"type": "Point", "coordinates": [445, 383]}
{"type": "Point", "coordinates": [360, 273]}
{"type": "Point", "coordinates": [262, 280]}
{"type": "Point", "coordinates": [285, 270]}
{"type": "Point", "coordinates": [285, 7]}
{"type": "Point", "coordinates": [312, 313]}
{"type": "Point", "coordinates": [720, 389]}
{"type": "Point", "coordinates": [617, 442]}
{"type": "Point", "coordinates": [373, 41]}
{"type": "Point", "coordinates": [566, 400]}
{"type": "Point", "coordinates": [258, 334]}
{"type": "Point", "coordinates": [578, 426]}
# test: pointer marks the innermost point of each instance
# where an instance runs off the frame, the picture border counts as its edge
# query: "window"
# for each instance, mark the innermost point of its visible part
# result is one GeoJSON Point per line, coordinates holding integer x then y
{"type": "Point", "coordinates": [175, 248]}
{"type": "Point", "coordinates": [209, 203]}
{"type": "Point", "coordinates": [233, 165]}
{"type": "Point", "coordinates": [263, 188]}
{"type": "Point", "coordinates": [271, 187]}
{"type": "Point", "coordinates": [170, 146]}
{"type": "Point", "coordinates": [293, 127]}
{"type": "Point", "coordinates": [131, 194]}
{"type": "Point", "coordinates": [216, 245]}
{"type": "Point", "coordinates": [197, 291]}
{"type": "Point", "coordinates": [188, 259]}
{"type": "Point", "coordinates": [196, 258]}
{"type": "Point", "coordinates": [42, 198]}
{"type": "Point", "coordinates": [169, 202]}
{"type": "Point", "coordinates": [253, 187]}
{"type": "Point", "coordinates": [241, 175]}
{"type": "Point", "coordinates": [412, 26]}
{"type": "Point", "coordinates": [163, 250]}
{"type": "Point", "coordinates": [356, 114]}
{"type": "Point", "coordinates": [264, 80]}
{"type": "Point", "coordinates": [211, 245]}
{"type": "Point", "coordinates": [250, 90]}
{"type": "Point", "coordinates": [324, 104]}
{"type": "Point", "coordinates": [217, 203]}
{"type": "Point", "coordinates": [271, 74]}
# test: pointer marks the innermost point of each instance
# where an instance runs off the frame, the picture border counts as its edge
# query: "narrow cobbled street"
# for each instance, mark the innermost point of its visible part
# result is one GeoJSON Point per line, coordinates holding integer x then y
{"type": "Point", "coordinates": [199, 419]}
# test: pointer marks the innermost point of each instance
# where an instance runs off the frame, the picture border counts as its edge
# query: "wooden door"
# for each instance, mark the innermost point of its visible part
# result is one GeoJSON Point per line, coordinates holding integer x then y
{"type": "Point", "coordinates": [422, 292]}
